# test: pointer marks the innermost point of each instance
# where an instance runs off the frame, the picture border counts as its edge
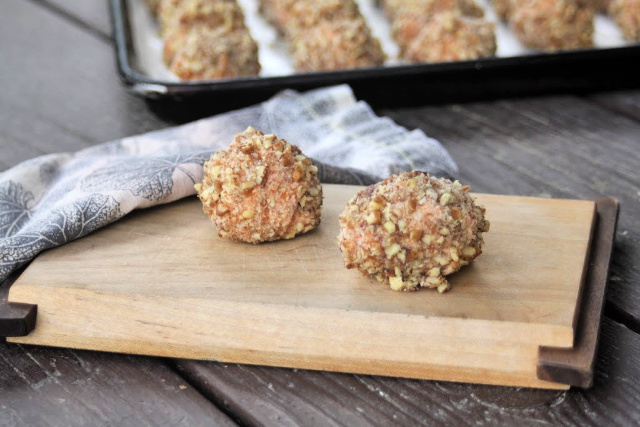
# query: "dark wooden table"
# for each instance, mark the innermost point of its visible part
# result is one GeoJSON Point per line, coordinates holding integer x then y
{"type": "Point", "coordinates": [59, 92]}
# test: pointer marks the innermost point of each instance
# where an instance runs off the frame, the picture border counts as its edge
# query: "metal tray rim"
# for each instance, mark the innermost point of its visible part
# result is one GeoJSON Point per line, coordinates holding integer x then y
{"type": "Point", "coordinates": [154, 88]}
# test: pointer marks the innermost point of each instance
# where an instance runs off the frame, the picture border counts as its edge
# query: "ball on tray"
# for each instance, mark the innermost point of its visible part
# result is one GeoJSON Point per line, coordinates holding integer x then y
{"type": "Point", "coordinates": [448, 37]}
{"type": "Point", "coordinates": [411, 230]}
{"type": "Point", "coordinates": [553, 25]}
{"type": "Point", "coordinates": [213, 53]}
{"type": "Point", "coordinates": [626, 13]}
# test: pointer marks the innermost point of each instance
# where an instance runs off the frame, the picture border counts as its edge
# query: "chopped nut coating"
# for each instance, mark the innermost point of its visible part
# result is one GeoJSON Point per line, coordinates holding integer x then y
{"type": "Point", "coordinates": [419, 238]}
{"type": "Point", "coordinates": [626, 13]}
{"type": "Point", "coordinates": [260, 188]}
{"type": "Point", "coordinates": [553, 25]}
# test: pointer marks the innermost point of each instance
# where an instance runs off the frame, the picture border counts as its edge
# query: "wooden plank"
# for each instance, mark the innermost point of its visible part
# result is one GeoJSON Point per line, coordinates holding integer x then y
{"type": "Point", "coordinates": [60, 92]}
{"type": "Point", "coordinates": [575, 366]}
{"type": "Point", "coordinates": [299, 396]}
{"type": "Point", "coordinates": [148, 285]}
{"type": "Point", "coordinates": [15, 319]}
{"type": "Point", "coordinates": [270, 396]}
{"type": "Point", "coordinates": [557, 146]}
{"type": "Point", "coordinates": [621, 102]}
{"type": "Point", "coordinates": [47, 386]}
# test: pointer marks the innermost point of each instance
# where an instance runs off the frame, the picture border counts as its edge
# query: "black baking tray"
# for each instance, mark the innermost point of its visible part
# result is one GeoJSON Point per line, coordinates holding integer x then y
{"type": "Point", "coordinates": [586, 70]}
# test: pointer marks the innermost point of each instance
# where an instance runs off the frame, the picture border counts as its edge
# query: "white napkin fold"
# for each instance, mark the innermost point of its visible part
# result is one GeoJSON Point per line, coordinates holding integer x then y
{"type": "Point", "coordinates": [51, 200]}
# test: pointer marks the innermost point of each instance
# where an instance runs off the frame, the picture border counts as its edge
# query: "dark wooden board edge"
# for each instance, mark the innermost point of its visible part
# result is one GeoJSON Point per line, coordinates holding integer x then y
{"type": "Point", "coordinates": [575, 366]}
{"type": "Point", "coordinates": [16, 319]}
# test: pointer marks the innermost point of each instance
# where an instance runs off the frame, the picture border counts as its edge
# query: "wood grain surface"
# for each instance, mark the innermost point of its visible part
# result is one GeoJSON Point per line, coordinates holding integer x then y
{"type": "Point", "coordinates": [60, 92]}
{"type": "Point", "coordinates": [276, 396]}
{"type": "Point", "coordinates": [65, 387]}
{"type": "Point", "coordinates": [154, 284]}
{"type": "Point", "coordinates": [575, 365]}
{"type": "Point", "coordinates": [626, 103]}
{"type": "Point", "coordinates": [560, 146]}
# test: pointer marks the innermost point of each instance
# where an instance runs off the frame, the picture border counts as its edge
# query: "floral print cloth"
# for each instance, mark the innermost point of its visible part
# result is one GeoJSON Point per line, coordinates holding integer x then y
{"type": "Point", "coordinates": [51, 200]}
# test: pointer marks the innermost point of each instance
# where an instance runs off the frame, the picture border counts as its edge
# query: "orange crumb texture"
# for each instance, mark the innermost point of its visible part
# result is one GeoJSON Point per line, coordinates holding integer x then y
{"type": "Point", "coordinates": [261, 188]}
{"type": "Point", "coordinates": [206, 39]}
{"type": "Point", "coordinates": [451, 37]}
{"type": "Point", "coordinates": [440, 30]}
{"type": "Point", "coordinates": [324, 34]}
{"type": "Point", "coordinates": [626, 13]}
{"type": "Point", "coordinates": [411, 230]}
{"type": "Point", "coordinates": [553, 24]}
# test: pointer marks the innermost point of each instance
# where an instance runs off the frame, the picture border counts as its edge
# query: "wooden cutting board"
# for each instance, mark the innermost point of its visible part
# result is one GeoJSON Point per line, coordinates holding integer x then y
{"type": "Point", "coordinates": [160, 282]}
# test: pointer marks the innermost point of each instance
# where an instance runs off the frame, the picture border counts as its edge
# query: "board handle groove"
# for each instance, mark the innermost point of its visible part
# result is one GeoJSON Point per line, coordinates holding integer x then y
{"type": "Point", "coordinates": [16, 319]}
{"type": "Point", "coordinates": [574, 366]}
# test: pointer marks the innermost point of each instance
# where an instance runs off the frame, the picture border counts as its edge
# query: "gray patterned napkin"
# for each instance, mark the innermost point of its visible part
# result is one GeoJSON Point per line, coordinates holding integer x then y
{"type": "Point", "coordinates": [54, 199]}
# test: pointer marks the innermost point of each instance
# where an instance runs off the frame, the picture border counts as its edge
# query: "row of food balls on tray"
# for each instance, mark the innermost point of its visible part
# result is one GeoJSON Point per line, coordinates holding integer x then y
{"type": "Point", "coordinates": [566, 24]}
{"type": "Point", "coordinates": [209, 39]}
{"type": "Point", "coordinates": [408, 231]}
